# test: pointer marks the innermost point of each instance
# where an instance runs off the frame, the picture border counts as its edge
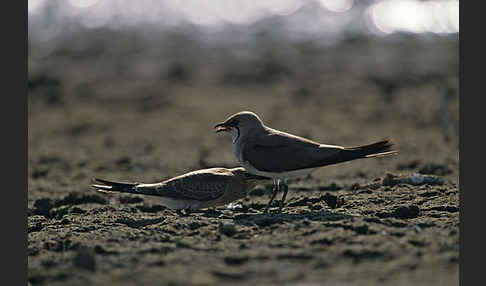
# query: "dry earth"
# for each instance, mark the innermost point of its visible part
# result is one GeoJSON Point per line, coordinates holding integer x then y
{"type": "Point", "coordinates": [348, 224]}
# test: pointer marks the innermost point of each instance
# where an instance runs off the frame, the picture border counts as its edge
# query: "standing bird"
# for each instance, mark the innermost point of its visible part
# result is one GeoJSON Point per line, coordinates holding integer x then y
{"type": "Point", "coordinates": [267, 152]}
{"type": "Point", "coordinates": [194, 190]}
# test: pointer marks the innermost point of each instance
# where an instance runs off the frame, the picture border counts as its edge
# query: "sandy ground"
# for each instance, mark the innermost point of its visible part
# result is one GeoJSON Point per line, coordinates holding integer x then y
{"type": "Point", "coordinates": [348, 224]}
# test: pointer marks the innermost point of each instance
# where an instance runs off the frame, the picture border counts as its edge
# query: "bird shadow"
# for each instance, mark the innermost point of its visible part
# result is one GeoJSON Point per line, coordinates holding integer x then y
{"type": "Point", "coordinates": [266, 219]}
{"type": "Point", "coordinates": [243, 217]}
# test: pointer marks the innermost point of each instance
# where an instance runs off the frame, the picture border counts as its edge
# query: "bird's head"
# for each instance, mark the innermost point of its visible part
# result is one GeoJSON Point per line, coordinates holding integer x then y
{"type": "Point", "coordinates": [239, 124]}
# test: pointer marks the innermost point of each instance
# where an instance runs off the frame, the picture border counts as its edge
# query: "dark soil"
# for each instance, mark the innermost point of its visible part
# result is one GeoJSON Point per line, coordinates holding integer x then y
{"type": "Point", "coordinates": [343, 225]}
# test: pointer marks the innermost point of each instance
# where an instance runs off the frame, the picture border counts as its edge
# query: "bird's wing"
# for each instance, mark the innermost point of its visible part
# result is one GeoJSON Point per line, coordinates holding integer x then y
{"type": "Point", "coordinates": [203, 186]}
{"type": "Point", "coordinates": [281, 152]}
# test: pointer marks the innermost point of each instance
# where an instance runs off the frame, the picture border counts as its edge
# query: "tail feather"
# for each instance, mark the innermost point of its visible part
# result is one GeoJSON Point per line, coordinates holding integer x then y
{"type": "Point", "coordinates": [113, 183]}
{"type": "Point", "coordinates": [374, 150]}
{"type": "Point", "coordinates": [111, 186]}
{"type": "Point", "coordinates": [378, 149]}
{"type": "Point", "coordinates": [384, 154]}
{"type": "Point", "coordinates": [103, 188]}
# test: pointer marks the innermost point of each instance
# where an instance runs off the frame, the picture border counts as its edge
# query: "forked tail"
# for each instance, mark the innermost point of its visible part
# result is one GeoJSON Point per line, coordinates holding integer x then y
{"type": "Point", "coordinates": [378, 149]}
{"type": "Point", "coordinates": [110, 186]}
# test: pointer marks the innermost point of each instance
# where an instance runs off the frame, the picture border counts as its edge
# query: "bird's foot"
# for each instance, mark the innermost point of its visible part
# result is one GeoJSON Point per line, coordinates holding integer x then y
{"type": "Point", "coordinates": [183, 212]}
{"type": "Point", "coordinates": [273, 210]}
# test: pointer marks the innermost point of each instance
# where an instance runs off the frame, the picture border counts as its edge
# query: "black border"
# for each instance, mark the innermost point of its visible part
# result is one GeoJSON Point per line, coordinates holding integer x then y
{"type": "Point", "coordinates": [471, 84]}
{"type": "Point", "coordinates": [14, 130]}
{"type": "Point", "coordinates": [461, 148]}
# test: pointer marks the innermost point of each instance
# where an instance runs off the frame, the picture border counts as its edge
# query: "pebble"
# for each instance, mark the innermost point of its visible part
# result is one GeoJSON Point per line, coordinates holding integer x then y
{"type": "Point", "coordinates": [227, 228]}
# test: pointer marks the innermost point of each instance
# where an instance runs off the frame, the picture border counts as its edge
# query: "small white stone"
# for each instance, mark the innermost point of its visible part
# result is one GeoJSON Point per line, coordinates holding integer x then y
{"type": "Point", "coordinates": [417, 178]}
{"type": "Point", "coordinates": [233, 206]}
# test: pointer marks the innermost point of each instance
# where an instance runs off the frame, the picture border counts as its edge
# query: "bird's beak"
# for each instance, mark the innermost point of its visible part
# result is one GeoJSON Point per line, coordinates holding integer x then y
{"type": "Point", "coordinates": [222, 127]}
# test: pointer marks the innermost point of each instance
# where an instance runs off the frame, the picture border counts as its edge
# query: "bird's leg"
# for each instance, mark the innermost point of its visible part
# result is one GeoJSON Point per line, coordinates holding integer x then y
{"type": "Point", "coordinates": [286, 189]}
{"type": "Point", "coordinates": [275, 191]}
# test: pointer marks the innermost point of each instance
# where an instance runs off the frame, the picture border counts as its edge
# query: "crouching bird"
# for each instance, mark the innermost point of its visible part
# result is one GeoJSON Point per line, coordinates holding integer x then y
{"type": "Point", "coordinates": [191, 191]}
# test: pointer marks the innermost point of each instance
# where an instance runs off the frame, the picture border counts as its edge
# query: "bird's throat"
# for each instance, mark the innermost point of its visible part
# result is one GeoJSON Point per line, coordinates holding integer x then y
{"type": "Point", "coordinates": [235, 134]}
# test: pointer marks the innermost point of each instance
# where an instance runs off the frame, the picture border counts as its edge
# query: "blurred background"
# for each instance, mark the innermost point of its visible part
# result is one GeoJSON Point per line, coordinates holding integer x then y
{"type": "Point", "coordinates": [132, 89]}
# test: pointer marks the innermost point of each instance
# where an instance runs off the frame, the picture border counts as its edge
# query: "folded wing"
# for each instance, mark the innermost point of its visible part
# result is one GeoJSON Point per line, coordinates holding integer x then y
{"type": "Point", "coordinates": [279, 152]}
{"type": "Point", "coordinates": [202, 186]}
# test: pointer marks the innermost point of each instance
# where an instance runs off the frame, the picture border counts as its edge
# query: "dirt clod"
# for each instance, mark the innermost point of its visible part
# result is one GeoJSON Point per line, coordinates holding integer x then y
{"type": "Point", "coordinates": [227, 228]}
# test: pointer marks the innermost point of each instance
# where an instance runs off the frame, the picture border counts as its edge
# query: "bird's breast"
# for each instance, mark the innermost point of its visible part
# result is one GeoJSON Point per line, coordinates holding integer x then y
{"type": "Point", "coordinates": [235, 151]}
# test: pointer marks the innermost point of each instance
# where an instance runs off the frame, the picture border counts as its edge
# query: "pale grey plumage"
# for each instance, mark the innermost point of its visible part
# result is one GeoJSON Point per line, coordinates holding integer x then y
{"type": "Point", "coordinates": [194, 190]}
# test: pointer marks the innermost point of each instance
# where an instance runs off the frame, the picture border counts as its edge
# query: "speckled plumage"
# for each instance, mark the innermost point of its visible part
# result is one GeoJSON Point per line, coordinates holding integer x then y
{"type": "Point", "coordinates": [194, 190]}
